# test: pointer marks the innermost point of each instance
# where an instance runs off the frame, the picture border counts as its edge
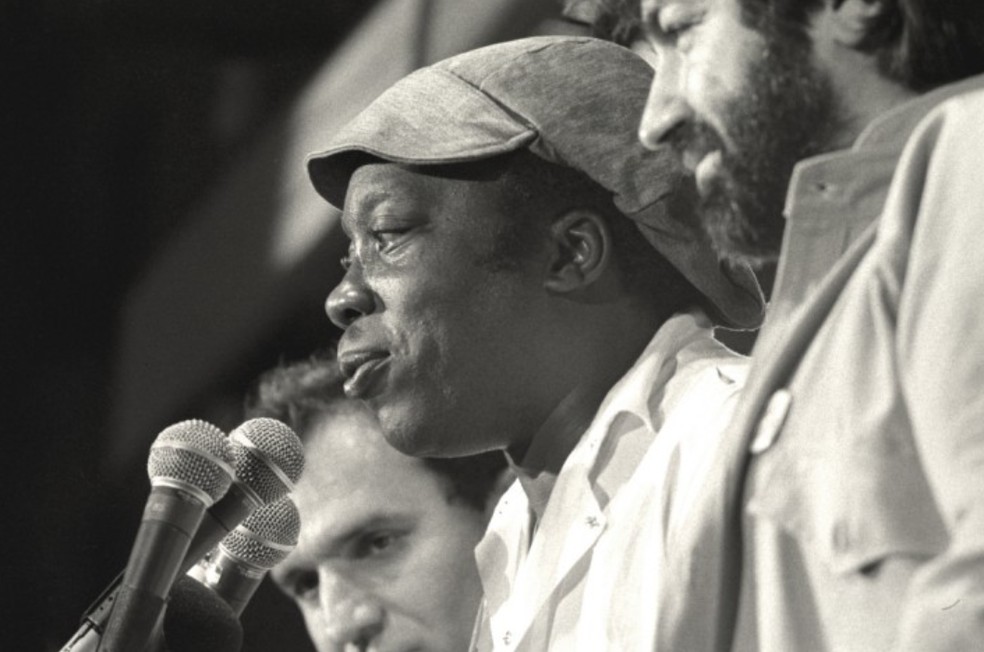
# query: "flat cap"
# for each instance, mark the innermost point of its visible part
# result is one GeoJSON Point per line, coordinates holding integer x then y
{"type": "Point", "coordinates": [573, 101]}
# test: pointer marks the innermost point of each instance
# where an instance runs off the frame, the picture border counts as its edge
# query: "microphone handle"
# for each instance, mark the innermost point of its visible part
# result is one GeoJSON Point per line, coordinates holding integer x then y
{"type": "Point", "coordinates": [170, 519]}
{"type": "Point", "coordinates": [233, 580]}
{"type": "Point", "coordinates": [219, 520]}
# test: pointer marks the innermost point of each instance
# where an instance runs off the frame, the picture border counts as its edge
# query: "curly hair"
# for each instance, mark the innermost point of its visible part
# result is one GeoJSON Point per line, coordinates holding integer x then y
{"type": "Point", "coordinates": [919, 43]}
{"type": "Point", "coordinates": [617, 21]}
{"type": "Point", "coordinates": [302, 392]}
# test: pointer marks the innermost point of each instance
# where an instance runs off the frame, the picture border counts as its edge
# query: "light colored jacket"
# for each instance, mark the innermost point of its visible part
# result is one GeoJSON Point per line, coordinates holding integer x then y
{"type": "Point", "coordinates": [847, 508]}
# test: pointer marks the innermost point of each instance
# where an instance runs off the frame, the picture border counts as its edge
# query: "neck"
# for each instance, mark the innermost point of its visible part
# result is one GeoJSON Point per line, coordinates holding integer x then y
{"type": "Point", "coordinates": [869, 99]}
{"type": "Point", "coordinates": [863, 90]}
{"type": "Point", "coordinates": [593, 363]}
{"type": "Point", "coordinates": [549, 447]}
{"type": "Point", "coordinates": [538, 464]}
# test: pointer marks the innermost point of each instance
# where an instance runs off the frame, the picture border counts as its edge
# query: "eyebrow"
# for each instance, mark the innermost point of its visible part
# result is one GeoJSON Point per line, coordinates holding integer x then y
{"type": "Point", "coordinates": [333, 541]}
{"type": "Point", "coordinates": [329, 544]}
{"type": "Point", "coordinates": [371, 198]}
{"type": "Point", "coordinates": [369, 204]}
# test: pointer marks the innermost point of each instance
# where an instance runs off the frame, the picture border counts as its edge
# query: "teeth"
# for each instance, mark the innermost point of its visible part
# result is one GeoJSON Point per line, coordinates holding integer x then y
{"type": "Point", "coordinates": [350, 364]}
{"type": "Point", "coordinates": [356, 366]}
{"type": "Point", "coordinates": [707, 172]}
{"type": "Point", "coordinates": [349, 369]}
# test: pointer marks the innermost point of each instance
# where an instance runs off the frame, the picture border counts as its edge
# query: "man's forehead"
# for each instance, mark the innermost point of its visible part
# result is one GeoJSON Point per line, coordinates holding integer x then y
{"type": "Point", "coordinates": [418, 191]}
{"type": "Point", "coordinates": [376, 184]}
{"type": "Point", "coordinates": [373, 183]}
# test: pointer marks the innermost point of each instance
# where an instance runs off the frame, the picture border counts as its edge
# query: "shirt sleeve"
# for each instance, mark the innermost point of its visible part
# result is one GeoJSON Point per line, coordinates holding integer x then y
{"type": "Point", "coordinates": [941, 364]}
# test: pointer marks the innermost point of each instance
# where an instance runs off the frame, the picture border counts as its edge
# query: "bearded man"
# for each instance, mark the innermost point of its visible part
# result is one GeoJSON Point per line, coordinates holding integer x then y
{"type": "Point", "coordinates": [844, 139]}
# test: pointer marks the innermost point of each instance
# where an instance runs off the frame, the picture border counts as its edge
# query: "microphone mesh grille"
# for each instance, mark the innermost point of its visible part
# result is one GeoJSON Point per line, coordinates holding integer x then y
{"type": "Point", "coordinates": [198, 620]}
{"type": "Point", "coordinates": [187, 451]}
{"type": "Point", "coordinates": [279, 445]}
{"type": "Point", "coordinates": [260, 539]}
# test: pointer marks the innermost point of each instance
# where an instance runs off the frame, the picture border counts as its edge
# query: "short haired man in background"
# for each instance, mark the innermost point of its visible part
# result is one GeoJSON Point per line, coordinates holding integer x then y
{"type": "Point", "coordinates": [516, 282]}
{"type": "Point", "coordinates": [846, 138]}
{"type": "Point", "coordinates": [385, 559]}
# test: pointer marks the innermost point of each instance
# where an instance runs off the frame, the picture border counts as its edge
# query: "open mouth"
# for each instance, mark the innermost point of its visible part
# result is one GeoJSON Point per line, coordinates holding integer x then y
{"type": "Point", "coordinates": [361, 370]}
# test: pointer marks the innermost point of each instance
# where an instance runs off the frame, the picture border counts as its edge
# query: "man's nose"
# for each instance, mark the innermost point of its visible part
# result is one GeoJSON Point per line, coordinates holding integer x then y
{"type": "Point", "coordinates": [349, 300]}
{"type": "Point", "coordinates": [666, 109]}
{"type": "Point", "coordinates": [350, 616]}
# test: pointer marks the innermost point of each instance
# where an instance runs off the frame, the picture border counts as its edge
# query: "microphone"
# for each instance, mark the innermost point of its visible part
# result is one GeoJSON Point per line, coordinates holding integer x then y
{"type": "Point", "coordinates": [268, 458]}
{"type": "Point", "coordinates": [197, 620]}
{"type": "Point", "coordinates": [236, 567]}
{"type": "Point", "coordinates": [190, 467]}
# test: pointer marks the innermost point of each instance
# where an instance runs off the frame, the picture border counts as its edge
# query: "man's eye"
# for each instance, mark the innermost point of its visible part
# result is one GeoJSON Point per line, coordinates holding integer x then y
{"type": "Point", "coordinates": [389, 237]}
{"type": "Point", "coordinates": [673, 31]}
{"type": "Point", "coordinates": [304, 588]}
{"type": "Point", "coordinates": [675, 21]}
{"type": "Point", "coordinates": [376, 544]}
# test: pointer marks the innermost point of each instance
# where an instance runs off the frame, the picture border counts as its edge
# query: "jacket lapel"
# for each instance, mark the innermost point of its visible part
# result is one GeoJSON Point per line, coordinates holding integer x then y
{"type": "Point", "coordinates": [699, 596]}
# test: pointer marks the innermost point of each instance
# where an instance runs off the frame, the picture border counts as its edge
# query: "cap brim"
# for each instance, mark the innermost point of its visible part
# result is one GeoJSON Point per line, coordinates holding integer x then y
{"type": "Point", "coordinates": [434, 135]}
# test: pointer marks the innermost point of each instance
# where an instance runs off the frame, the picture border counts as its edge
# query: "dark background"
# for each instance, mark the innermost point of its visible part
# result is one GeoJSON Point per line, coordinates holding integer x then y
{"type": "Point", "coordinates": [117, 115]}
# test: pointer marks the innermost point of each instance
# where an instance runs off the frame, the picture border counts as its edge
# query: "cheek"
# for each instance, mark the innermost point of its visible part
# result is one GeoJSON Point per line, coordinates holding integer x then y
{"type": "Point", "coordinates": [452, 316]}
{"type": "Point", "coordinates": [449, 566]}
{"type": "Point", "coordinates": [717, 69]}
{"type": "Point", "coordinates": [315, 626]}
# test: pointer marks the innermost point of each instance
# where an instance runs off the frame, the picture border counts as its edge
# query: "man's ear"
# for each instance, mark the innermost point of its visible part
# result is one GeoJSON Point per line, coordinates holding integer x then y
{"type": "Point", "coordinates": [502, 482]}
{"type": "Point", "coordinates": [849, 22]}
{"type": "Point", "coordinates": [581, 245]}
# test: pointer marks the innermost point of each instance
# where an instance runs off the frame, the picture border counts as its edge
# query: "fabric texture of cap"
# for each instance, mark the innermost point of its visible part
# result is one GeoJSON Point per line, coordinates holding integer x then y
{"type": "Point", "coordinates": [574, 101]}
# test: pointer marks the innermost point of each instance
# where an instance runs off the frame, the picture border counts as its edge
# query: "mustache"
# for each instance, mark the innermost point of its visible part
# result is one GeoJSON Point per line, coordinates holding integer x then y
{"type": "Point", "coordinates": [696, 136]}
{"type": "Point", "coordinates": [733, 206]}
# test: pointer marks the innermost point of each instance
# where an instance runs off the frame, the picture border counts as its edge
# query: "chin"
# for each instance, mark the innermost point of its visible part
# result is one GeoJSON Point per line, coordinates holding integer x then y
{"type": "Point", "coordinates": [435, 428]}
{"type": "Point", "coordinates": [743, 226]}
{"type": "Point", "coordinates": [402, 439]}
{"type": "Point", "coordinates": [405, 430]}
{"type": "Point", "coordinates": [734, 245]}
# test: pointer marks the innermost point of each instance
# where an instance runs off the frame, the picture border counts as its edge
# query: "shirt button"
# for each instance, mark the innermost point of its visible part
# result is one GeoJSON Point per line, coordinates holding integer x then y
{"type": "Point", "coordinates": [771, 422]}
{"type": "Point", "coordinates": [592, 521]}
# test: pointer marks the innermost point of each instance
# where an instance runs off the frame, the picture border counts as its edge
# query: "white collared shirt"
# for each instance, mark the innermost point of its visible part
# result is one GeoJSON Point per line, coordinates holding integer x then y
{"type": "Point", "coordinates": [589, 578]}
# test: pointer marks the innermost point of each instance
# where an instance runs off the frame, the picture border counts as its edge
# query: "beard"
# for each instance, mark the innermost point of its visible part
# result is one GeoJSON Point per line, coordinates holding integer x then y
{"type": "Point", "coordinates": [787, 112]}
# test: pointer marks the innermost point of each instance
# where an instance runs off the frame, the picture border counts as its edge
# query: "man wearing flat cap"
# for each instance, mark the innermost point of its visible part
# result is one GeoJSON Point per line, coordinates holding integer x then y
{"type": "Point", "coordinates": [524, 276]}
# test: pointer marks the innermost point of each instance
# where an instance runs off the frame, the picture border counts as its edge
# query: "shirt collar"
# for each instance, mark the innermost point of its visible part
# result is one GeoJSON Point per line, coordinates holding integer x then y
{"type": "Point", "coordinates": [640, 391]}
{"type": "Point", "coordinates": [893, 127]}
{"type": "Point", "coordinates": [548, 450]}
{"type": "Point", "coordinates": [857, 179]}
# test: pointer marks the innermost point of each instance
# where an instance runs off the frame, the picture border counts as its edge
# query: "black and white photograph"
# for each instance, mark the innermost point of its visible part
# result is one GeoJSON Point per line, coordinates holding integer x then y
{"type": "Point", "coordinates": [494, 326]}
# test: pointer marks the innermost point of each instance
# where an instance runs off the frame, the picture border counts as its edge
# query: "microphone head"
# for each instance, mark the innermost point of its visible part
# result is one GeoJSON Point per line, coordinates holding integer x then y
{"type": "Point", "coordinates": [268, 458]}
{"type": "Point", "coordinates": [192, 454]}
{"type": "Point", "coordinates": [197, 619]}
{"type": "Point", "coordinates": [267, 535]}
